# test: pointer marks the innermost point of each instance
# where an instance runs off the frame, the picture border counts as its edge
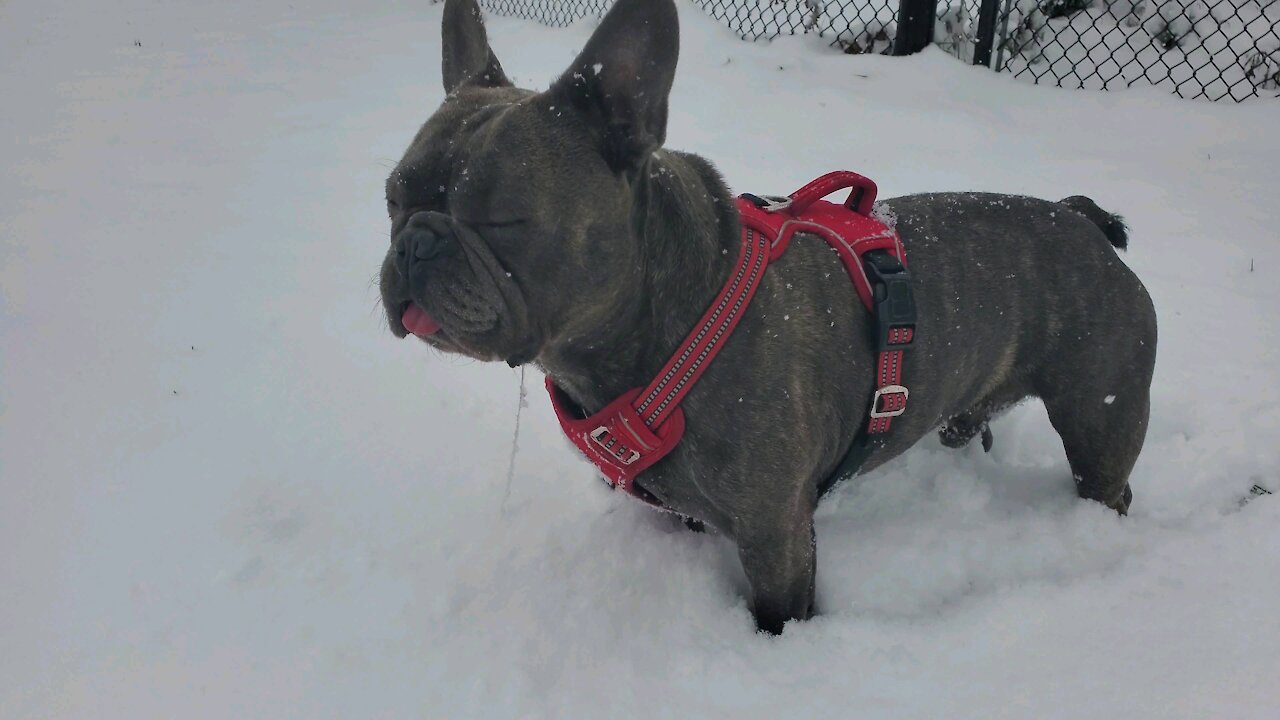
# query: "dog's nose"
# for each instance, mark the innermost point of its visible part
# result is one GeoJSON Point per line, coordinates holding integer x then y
{"type": "Point", "coordinates": [425, 237]}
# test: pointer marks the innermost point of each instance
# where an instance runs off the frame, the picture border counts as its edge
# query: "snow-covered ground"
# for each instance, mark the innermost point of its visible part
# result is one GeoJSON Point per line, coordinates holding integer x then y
{"type": "Point", "coordinates": [226, 491]}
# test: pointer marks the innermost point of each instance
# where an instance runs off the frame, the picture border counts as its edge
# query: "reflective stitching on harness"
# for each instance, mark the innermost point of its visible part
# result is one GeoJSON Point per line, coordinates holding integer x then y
{"type": "Point", "coordinates": [757, 266]}
{"type": "Point", "coordinates": [706, 327]}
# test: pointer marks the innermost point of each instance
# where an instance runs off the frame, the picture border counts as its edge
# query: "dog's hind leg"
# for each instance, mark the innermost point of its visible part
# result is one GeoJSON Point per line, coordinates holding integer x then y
{"type": "Point", "coordinates": [1102, 428]}
{"type": "Point", "coordinates": [959, 430]}
{"type": "Point", "coordinates": [1096, 381]}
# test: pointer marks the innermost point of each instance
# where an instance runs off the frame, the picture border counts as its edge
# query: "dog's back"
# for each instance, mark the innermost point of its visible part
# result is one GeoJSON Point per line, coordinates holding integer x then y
{"type": "Point", "coordinates": [1024, 297]}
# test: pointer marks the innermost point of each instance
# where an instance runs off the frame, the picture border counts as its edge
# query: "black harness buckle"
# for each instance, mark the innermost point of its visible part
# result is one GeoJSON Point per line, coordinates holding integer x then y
{"type": "Point", "coordinates": [894, 303]}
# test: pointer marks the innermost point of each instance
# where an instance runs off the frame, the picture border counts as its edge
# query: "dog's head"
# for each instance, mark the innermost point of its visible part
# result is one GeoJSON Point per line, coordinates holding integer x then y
{"type": "Point", "coordinates": [511, 211]}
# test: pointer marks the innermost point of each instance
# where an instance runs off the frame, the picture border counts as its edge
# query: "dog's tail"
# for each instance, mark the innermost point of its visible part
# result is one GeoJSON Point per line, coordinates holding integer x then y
{"type": "Point", "coordinates": [1111, 225]}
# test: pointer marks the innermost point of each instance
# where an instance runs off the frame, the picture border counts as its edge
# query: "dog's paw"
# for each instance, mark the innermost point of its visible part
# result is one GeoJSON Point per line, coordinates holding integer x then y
{"type": "Point", "coordinates": [957, 434]}
{"type": "Point", "coordinates": [1121, 503]}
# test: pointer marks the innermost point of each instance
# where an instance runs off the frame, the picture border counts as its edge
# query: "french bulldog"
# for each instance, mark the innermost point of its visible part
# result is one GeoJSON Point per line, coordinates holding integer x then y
{"type": "Point", "coordinates": [554, 228]}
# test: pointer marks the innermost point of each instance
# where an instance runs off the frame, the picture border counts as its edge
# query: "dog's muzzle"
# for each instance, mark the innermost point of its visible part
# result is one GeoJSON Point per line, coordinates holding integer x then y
{"type": "Point", "coordinates": [427, 236]}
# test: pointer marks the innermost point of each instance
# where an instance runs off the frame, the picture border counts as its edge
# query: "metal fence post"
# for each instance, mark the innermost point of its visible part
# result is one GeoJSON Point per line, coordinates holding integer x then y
{"type": "Point", "coordinates": [1004, 34]}
{"type": "Point", "coordinates": [915, 25]}
{"type": "Point", "coordinates": [987, 15]}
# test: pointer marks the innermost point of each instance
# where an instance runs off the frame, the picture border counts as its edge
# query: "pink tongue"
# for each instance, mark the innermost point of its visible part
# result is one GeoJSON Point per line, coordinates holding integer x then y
{"type": "Point", "coordinates": [418, 322]}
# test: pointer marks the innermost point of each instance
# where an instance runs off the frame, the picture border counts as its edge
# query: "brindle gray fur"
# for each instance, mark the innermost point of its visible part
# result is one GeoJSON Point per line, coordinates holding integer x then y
{"type": "Point", "coordinates": [552, 228]}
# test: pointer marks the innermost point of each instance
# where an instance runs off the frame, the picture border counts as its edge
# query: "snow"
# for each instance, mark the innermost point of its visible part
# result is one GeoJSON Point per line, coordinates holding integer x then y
{"type": "Point", "coordinates": [228, 491]}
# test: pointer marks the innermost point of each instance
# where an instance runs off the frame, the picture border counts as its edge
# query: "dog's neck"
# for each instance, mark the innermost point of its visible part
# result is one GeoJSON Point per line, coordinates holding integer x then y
{"type": "Point", "coordinates": [688, 233]}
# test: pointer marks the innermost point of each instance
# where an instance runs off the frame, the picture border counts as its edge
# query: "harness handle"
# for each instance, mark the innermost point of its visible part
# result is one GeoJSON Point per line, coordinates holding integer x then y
{"type": "Point", "coordinates": [862, 193]}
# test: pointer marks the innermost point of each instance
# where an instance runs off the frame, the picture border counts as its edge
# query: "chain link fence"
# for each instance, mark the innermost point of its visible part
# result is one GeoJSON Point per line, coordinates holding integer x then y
{"type": "Point", "coordinates": [556, 13]}
{"type": "Point", "coordinates": [856, 25]}
{"type": "Point", "coordinates": [1214, 49]}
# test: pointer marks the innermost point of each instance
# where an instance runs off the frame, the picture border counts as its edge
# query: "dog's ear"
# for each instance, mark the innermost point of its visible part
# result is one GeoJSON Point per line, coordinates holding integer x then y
{"type": "Point", "coordinates": [467, 55]}
{"type": "Point", "coordinates": [622, 79]}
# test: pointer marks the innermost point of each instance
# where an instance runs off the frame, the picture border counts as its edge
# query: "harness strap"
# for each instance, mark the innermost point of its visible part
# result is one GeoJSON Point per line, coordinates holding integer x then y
{"type": "Point", "coordinates": [639, 428]}
{"type": "Point", "coordinates": [894, 308]}
{"type": "Point", "coordinates": [702, 344]}
{"type": "Point", "coordinates": [643, 425]}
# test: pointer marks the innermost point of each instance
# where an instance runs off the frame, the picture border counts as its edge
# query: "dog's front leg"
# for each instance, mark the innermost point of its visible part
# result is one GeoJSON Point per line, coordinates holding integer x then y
{"type": "Point", "coordinates": [780, 559]}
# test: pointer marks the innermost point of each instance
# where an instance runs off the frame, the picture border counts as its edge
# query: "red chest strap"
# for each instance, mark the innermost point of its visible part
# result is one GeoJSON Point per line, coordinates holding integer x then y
{"type": "Point", "coordinates": [643, 425]}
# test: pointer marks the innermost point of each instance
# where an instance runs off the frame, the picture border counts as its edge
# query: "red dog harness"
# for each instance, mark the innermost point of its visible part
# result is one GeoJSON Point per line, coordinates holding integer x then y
{"type": "Point", "coordinates": [643, 425]}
